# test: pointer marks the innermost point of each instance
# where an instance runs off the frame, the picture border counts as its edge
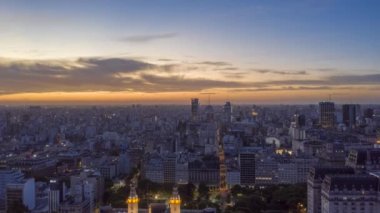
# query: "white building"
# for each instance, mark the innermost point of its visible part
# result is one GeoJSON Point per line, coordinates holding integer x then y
{"type": "Point", "coordinates": [350, 194]}
{"type": "Point", "coordinates": [314, 185]}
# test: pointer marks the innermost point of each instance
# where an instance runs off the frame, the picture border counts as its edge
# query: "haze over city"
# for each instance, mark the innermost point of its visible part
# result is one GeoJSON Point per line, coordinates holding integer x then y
{"type": "Point", "coordinates": [165, 52]}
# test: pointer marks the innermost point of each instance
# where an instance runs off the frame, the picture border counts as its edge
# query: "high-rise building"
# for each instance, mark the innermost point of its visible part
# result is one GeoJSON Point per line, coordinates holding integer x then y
{"type": "Point", "coordinates": [368, 113]}
{"type": "Point", "coordinates": [247, 162]}
{"type": "Point", "coordinates": [227, 112]}
{"type": "Point", "coordinates": [349, 115]}
{"type": "Point", "coordinates": [169, 168]}
{"type": "Point", "coordinates": [300, 120]}
{"type": "Point", "coordinates": [327, 114]}
{"type": "Point", "coordinates": [55, 195]}
{"type": "Point", "coordinates": [194, 108]}
{"type": "Point", "coordinates": [209, 112]}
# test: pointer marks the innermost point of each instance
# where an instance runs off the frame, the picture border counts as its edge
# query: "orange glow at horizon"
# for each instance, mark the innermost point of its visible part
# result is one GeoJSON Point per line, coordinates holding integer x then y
{"type": "Point", "coordinates": [285, 96]}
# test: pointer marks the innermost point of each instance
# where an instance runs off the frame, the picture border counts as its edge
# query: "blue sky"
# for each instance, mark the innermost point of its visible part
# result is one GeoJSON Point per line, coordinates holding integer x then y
{"type": "Point", "coordinates": [323, 38]}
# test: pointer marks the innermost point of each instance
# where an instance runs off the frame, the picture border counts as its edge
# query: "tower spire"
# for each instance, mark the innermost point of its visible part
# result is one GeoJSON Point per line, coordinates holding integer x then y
{"type": "Point", "coordinates": [175, 201]}
{"type": "Point", "coordinates": [133, 199]}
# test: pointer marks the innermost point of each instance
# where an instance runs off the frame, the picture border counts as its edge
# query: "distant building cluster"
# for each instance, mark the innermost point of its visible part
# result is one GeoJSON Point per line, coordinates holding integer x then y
{"type": "Point", "coordinates": [64, 159]}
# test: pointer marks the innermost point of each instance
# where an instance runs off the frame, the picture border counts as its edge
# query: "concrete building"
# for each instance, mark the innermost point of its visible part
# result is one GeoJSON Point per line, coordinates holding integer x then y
{"type": "Point", "coordinates": [169, 163]}
{"type": "Point", "coordinates": [194, 109]}
{"type": "Point", "coordinates": [227, 110]}
{"type": "Point", "coordinates": [327, 114]}
{"type": "Point", "coordinates": [350, 194]}
{"type": "Point", "coordinates": [8, 176]}
{"type": "Point", "coordinates": [314, 185]}
{"type": "Point", "coordinates": [364, 159]}
{"type": "Point", "coordinates": [247, 163]}
{"type": "Point", "coordinates": [55, 195]}
{"type": "Point", "coordinates": [23, 192]}
{"type": "Point", "coordinates": [349, 115]}
{"type": "Point", "coordinates": [266, 171]}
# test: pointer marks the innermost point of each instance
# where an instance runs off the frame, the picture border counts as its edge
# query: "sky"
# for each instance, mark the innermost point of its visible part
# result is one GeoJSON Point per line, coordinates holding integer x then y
{"type": "Point", "coordinates": [168, 51]}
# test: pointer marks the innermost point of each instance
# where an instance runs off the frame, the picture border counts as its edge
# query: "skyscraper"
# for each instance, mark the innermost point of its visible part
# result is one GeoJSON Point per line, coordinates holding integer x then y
{"type": "Point", "coordinates": [300, 120]}
{"type": "Point", "coordinates": [169, 168]}
{"type": "Point", "coordinates": [194, 108]}
{"type": "Point", "coordinates": [327, 114]}
{"type": "Point", "coordinates": [227, 112]}
{"type": "Point", "coordinates": [349, 115]}
{"type": "Point", "coordinates": [54, 195]}
{"type": "Point", "coordinates": [247, 161]}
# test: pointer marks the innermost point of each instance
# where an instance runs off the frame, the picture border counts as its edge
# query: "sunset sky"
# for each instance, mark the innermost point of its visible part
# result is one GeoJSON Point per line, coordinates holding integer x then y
{"type": "Point", "coordinates": [167, 51]}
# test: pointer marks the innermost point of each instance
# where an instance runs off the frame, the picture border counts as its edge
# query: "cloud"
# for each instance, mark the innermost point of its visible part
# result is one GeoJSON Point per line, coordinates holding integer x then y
{"type": "Point", "coordinates": [124, 74]}
{"type": "Point", "coordinates": [356, 79]}
{"type": "Point", "coordinates": [325, 69]}
{"type": "Point", "coordinates": [286, 88]}
{"type": "Point", "coordinates": [83, 74]}
{"type": "Point", "coordinates": [148, 38]}
{"type": "Point", "coordinates": [279, 72]}
{"type": "Point", "coordinates": [181, 83]}
{"type": "Point", "coordinates": [214, 63]}
{"type": "Point", "coordinates": [99, 74]}
{"type": "Point", "coordinates": [226, 69]}
{"type": "Point", "coordinates": [234, 74]}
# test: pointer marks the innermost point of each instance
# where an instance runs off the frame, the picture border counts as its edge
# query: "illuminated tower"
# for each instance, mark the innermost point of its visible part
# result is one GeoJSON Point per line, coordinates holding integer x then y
{"type": "Point", "coordinates": [133, 200]}
{"type": "Point", "coordinates": [175, 202]}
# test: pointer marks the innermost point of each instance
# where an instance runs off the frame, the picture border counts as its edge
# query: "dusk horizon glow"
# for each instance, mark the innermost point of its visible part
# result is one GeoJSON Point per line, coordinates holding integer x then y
{"type": "Point", "coordinates": [167, 52]}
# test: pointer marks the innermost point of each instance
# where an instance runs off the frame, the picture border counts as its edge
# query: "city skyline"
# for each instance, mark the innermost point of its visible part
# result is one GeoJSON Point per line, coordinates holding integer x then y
{"type": "Point", "coordinates": [167, 52]}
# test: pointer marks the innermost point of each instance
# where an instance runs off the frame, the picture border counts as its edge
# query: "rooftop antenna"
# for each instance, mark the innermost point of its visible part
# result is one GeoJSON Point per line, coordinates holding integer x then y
{"type": "Point", "coordinates": [209, 96]}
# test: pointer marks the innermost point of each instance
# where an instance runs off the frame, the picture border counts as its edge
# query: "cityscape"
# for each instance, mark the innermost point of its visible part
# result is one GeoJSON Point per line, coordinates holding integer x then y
{"type": "Point", "coordinates": [177, 106]}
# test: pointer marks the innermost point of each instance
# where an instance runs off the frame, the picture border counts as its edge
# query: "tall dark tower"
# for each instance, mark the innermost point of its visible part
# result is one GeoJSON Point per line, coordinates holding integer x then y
{"type": "Point", "coordinates": [227, 112]}
{"type": "Point", "coordinates": [194, 108]}
{"type": "Point", "coordinates": [327, 114]}
{"type": "Point", "coordinates": [349, 115]}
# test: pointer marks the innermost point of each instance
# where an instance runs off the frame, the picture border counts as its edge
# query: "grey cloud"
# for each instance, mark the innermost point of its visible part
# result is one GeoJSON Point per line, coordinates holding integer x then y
{"type": "Point", "coordinates": [84, 74]}
{"type": "Point", "coordinates": [123, 74]}
{"type": "Point", "coordinates": [148, 38]}
{"type": "Point", "coordinates": [325, 69]}
{"type": "Point", "coordinates": [165, 59]}
{"type": "Point", "coordinates": [226, 69]}
{"type": "Point", "coordinates": [234, 74]}
{"type": "Point", "coordinates": [99, 74]}
{"type": "Point", "coordinates": [215, 63]}
{"type": "Point", "coordinates": [279, 72]}
{"type": "Point", "coordinates": [286, 88]}
{"type": "Point", "coordinates": [180, 83]}
{"type": "Point", "coordinates": [356, 79]}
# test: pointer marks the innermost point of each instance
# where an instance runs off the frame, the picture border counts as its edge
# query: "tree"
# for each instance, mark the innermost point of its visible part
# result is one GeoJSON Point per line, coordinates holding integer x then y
{"type": "Point", "coordinates": [203, 191]}
{"type": "Point", "coordinates": [187, 192]}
